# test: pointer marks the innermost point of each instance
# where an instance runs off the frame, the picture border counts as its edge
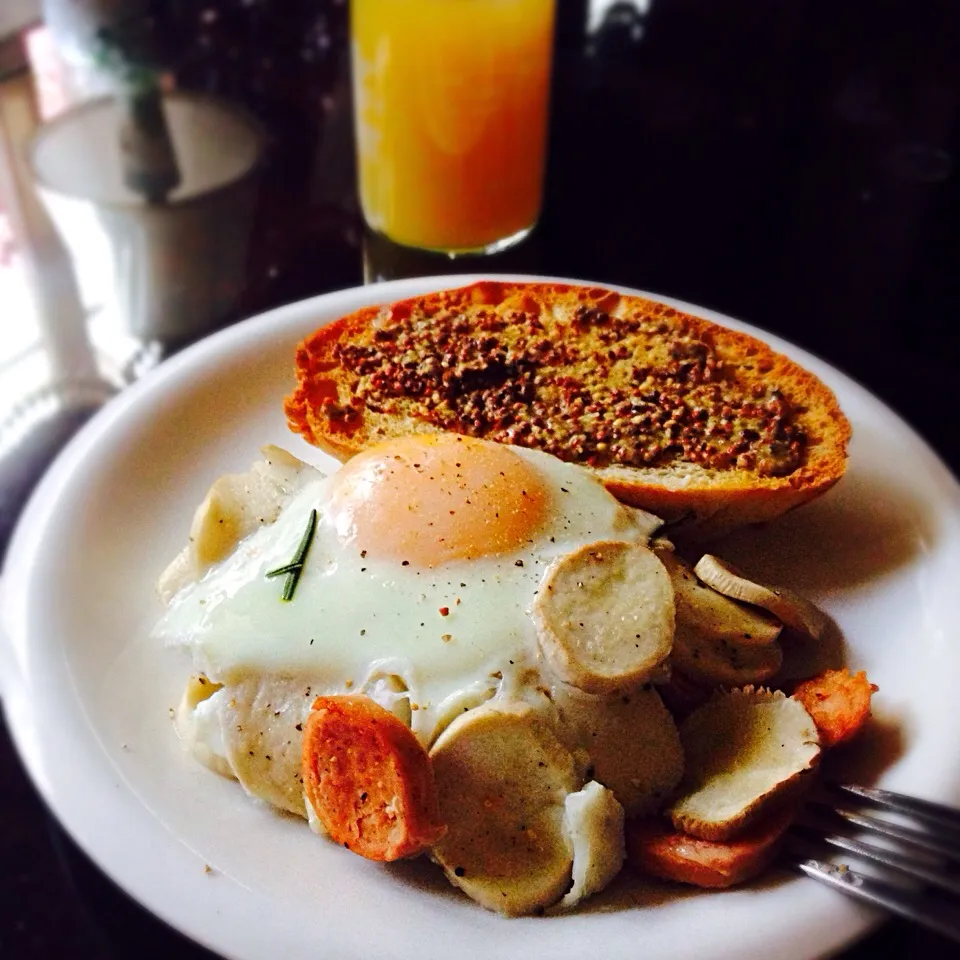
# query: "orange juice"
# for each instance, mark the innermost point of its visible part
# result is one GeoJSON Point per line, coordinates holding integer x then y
{"type": "Point", "coordinates": [451, 105]}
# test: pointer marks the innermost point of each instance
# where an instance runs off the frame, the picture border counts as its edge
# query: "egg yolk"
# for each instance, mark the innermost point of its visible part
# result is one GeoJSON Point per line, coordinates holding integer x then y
{"type": "Point", "coordinates": [430, 499]}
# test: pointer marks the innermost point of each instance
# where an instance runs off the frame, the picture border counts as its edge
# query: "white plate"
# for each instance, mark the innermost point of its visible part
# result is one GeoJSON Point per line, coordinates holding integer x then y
{"type": "Point", "coordinates": [87, 697]}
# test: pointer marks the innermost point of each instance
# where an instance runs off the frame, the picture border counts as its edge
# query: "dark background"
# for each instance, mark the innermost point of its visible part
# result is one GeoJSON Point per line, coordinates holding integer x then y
{"type": "Point", "coordinates": [793, 163]}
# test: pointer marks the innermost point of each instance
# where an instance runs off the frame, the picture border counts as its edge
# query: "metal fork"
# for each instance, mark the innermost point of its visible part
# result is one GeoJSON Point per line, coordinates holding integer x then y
{"type": "Point", "coordinates": [914, 870]}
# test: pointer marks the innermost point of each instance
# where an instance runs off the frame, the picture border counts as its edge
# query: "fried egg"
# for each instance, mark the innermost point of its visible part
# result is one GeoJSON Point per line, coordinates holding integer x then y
{"type": "Point", "coordinates": [418, 584]}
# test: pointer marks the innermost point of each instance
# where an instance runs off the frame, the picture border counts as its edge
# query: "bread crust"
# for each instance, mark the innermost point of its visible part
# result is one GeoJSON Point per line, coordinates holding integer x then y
{"type": "Point", "coordinates": [326, 410]}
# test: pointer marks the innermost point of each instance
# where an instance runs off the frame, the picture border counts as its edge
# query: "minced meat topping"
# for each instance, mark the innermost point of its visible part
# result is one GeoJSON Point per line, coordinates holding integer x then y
{"type": "Point", "coordinates": [637, 391]}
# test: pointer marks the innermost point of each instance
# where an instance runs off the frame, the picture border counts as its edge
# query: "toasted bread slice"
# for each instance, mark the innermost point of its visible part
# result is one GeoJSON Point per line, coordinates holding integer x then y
{"type": "Point", "coordinates": [745, 751]}
{"type": "Point", "coordinates": [703, 426]}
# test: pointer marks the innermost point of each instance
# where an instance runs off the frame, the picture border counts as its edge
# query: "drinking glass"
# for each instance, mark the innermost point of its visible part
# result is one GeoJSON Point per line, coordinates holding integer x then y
{"type": "Point", "coordinates": [451, 102]}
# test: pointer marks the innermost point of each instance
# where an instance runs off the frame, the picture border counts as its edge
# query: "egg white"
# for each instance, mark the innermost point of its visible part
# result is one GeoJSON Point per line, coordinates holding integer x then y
{"type": "Point", "coordinates": [453, 635]}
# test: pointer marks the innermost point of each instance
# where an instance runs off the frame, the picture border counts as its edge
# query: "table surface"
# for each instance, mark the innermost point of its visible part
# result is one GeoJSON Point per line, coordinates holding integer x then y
{"type": "Point", "coordinates": [793, 164]}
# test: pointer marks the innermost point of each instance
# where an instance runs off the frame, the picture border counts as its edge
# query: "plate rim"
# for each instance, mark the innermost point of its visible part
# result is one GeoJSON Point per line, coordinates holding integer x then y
{"type": "Point", "coordinates": [13, 686]}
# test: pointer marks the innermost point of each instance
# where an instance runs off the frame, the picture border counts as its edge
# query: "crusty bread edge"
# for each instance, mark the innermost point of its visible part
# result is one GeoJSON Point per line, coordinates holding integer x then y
{"type": "Point", "coordinates": [696, 511]}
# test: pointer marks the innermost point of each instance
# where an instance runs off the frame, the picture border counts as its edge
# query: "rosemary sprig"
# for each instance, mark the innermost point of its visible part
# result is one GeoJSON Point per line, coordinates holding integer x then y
{"type": "Point", "coordinates": [294, 568]}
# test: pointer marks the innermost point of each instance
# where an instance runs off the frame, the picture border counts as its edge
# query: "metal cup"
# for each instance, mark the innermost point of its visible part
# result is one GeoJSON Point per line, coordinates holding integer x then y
{"type": "Point", "coordinates": [168, 271]}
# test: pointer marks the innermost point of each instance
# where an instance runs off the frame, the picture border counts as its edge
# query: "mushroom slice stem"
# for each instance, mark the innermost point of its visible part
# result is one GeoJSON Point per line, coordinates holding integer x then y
{"type": "Point", "coordinates": [745, 751]}
{"type": "Point", "coordinates": [503, 779]}
{"type": "Point", "coordinates": [794, 611]}
{"type": "Point", "coordinates": [605, 616]}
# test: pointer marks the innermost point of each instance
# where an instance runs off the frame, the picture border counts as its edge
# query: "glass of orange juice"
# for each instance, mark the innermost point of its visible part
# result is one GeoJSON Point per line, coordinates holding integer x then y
{"type": "Point", "coordinates": [451, 101]}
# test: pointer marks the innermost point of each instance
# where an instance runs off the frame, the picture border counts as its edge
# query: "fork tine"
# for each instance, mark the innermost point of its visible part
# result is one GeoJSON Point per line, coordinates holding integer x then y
{"type": "Point", "coordinates": [890, 859]}
{"type": "Point", "coordinates": [905, 903]}
{"type": "Point", "coordinates": [937, 833]}
{"type": "Point", "coordinates": [923, 810]}
{"type": "Point", "coordinates": [919, 839]}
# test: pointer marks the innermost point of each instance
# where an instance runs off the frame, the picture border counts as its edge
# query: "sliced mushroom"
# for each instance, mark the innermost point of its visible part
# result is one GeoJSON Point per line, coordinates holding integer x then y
{"type": "Point", "coordinates": [713, 615]}
{"type": "Point", "coordinates": [261, 725]}
{"type": "Point", "coordinates": [463, 700]}
{"type": "Point", "coordinates": [605, 616]}
{"type": "Point", "coordinates": [632, 742]}
{"type": "Point", "coordinates": [745, 750]}
{"type": "Point", "coordinates": [199, 728]}
{"type": "Point", "coordinates": [235, 506]}
{"type": "Point", "coordinates": [722, 663]}
{"type": "Point", "coordinates": [593, 820]}
{"type": "Point", "coordinates": [681, 695]}
{"type": "Point", "coordinates": [718, 642]}
{"type": "Point", "coordinates": [795, 611]}
{"type": "Point", "coordinates": [503, 778]}
{"type": "Point", "coordinates": [180, 571]}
